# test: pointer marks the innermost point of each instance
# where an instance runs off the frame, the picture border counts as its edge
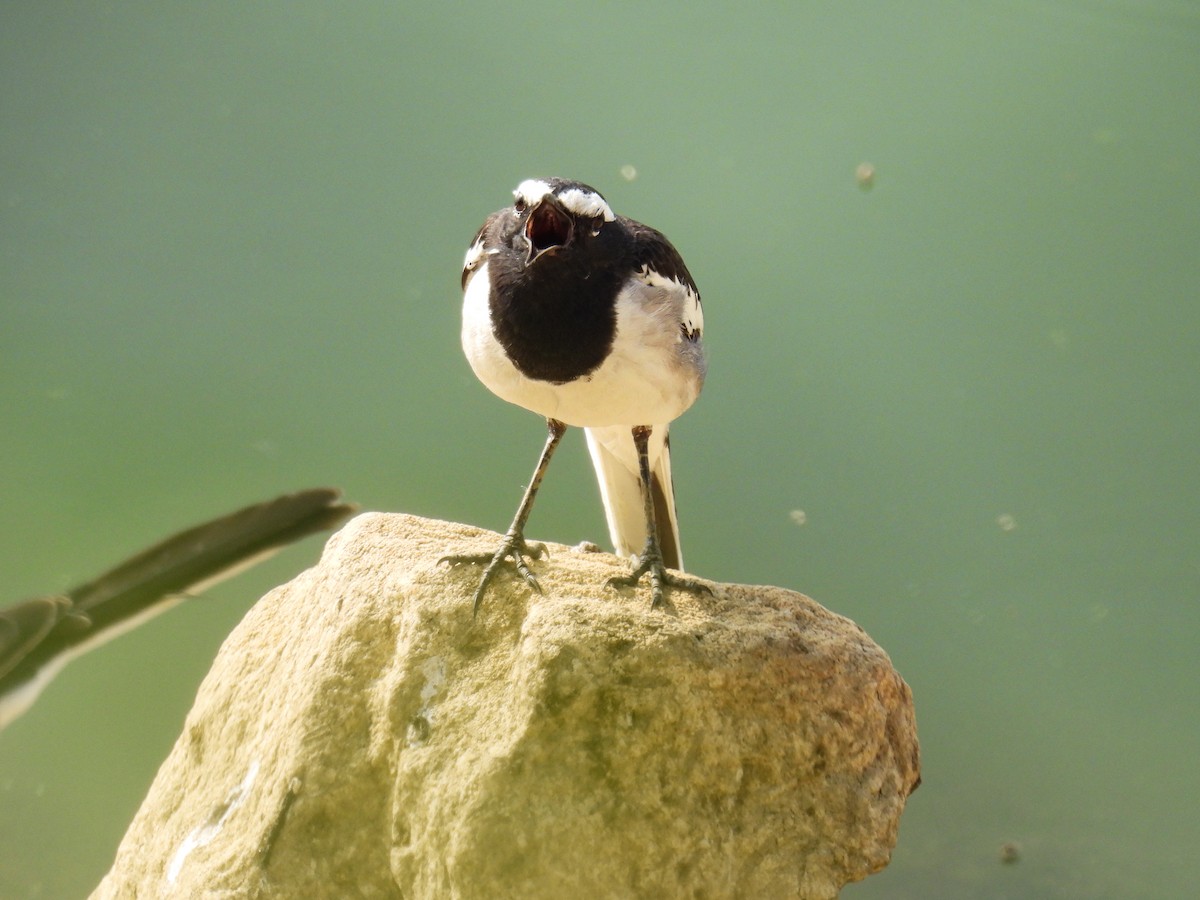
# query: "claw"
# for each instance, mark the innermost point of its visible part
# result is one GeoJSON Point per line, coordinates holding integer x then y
{"type": "Point", "coordinates": [514, 548]}
{"type": "Point", "coordinates": [660, 578]}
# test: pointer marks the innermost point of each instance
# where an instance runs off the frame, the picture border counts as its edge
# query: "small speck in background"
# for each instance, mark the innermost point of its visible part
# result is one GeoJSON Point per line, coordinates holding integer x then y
{"type": "Point", "coordinates": [864, 174]}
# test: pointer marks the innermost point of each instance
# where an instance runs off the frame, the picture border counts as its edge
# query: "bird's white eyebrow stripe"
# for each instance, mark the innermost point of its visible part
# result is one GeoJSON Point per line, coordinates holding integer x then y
{"type": "Point", "coordinates": [585, 203]}
{"type": "Point", "coordinates": [575, 200]}
{"type": "Point", "coordinates": [531, 190]}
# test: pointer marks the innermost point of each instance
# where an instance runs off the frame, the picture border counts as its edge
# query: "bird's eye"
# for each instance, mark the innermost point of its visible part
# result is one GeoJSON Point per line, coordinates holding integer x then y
{"type": "Point", "coordinates": [597, 224]}
{"type": "Point", "coordinates": [519, 204]}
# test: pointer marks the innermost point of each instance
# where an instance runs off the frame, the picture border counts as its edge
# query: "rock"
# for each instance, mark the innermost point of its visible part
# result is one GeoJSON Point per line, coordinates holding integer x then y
{"type": "Point", "coordinates": [362, 735]}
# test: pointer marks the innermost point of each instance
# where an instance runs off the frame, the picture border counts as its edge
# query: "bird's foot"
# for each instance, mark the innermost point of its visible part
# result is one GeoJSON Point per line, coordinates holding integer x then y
{"type": "Point", "coordinates": [514, 548]}
{"type": "Point", "coordinates": [660, 578]}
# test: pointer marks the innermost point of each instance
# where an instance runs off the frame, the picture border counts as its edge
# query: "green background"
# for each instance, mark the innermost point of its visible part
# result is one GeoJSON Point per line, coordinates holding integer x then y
{"type": "Point", "coordinates": [230, 245]}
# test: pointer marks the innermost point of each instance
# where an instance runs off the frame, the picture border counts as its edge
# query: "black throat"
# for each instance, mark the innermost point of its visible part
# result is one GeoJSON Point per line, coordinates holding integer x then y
{"type": "Point", "coordinates": [557, 318]}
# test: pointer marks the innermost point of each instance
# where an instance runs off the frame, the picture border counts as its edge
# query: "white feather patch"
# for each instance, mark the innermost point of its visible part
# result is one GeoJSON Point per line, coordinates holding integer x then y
{"type": "Point", "coordinates": [587, 204]}
{"type": "Point", "coordinates": [531, 190]}
{"type": "Point", "coordinates": [474, 254]}
{"type": "Point", "coordinates": [690, 309]}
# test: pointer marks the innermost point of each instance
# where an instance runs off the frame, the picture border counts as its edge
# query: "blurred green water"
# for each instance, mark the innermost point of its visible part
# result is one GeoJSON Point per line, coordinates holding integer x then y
{"type": "Point", "coordinates": [230, 240]}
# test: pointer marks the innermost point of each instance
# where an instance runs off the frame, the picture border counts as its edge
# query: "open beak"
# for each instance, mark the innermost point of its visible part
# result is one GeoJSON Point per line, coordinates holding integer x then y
{"type": "Point", "coordinates": [548, 228]}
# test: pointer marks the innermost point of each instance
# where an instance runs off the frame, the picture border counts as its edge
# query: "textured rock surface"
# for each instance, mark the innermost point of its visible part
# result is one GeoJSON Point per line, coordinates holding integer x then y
{"type": "Point", "coordinates": [361, 735]}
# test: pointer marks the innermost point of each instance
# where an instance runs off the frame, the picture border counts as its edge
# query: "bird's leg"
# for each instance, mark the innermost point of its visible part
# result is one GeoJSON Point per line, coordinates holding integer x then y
{"type": "Point", "coordinates": [514, 546]}
{"type": "Point", "coordinates": [650, 561]}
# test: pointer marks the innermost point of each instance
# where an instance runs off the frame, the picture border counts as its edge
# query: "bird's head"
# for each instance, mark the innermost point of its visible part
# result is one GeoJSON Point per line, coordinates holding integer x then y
{"type": "Point", "coordinates": [555, 213]}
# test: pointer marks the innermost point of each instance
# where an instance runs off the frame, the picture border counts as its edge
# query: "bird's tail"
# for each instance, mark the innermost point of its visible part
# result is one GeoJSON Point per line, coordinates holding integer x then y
{"type": "Point", "coordinates": [615, 459]}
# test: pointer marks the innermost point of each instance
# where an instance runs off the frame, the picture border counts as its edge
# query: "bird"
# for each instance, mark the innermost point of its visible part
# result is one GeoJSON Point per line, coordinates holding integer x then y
{"type": "Point", "coordinates": [39, 636]}
{"type": "Point", "coordinates": [591, 320]}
